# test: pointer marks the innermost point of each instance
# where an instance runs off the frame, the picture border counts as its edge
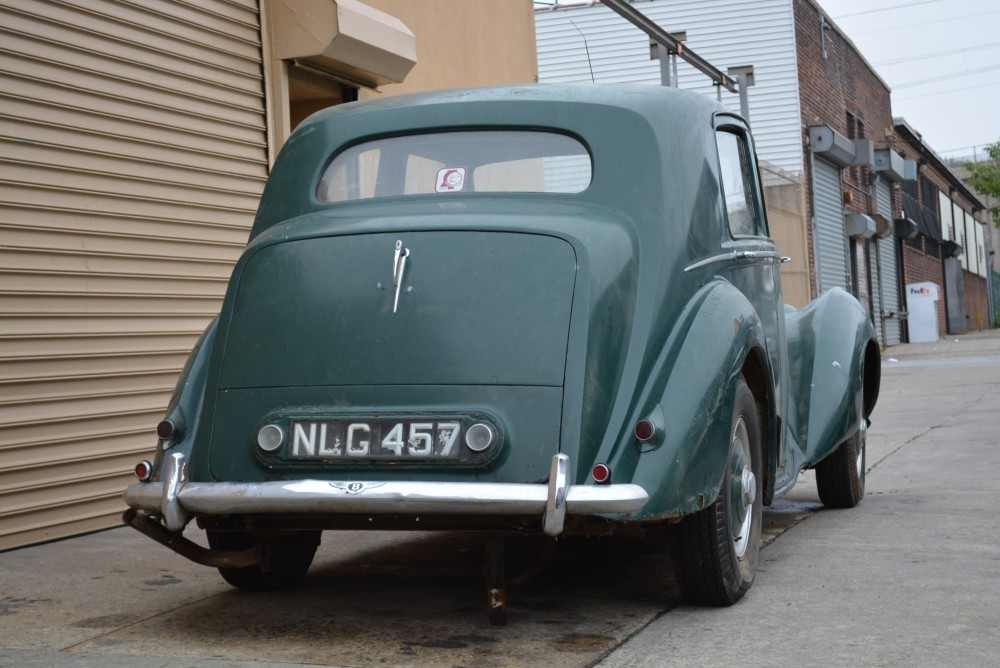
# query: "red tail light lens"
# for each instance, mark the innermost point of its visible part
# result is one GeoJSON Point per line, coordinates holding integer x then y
{"type": "Point", "coordinates": [144, 471]}
{"type": "Point", "coordinates": [166, 430]}
{"type": "Point", "coordinates": [645, 431]}
{"type": "Point", "coordinates": [601, 473]}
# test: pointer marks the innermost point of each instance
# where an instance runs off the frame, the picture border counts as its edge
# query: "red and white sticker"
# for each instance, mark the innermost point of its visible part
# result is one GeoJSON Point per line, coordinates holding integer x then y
{"type": "Point", "coordinates": [450, 180]}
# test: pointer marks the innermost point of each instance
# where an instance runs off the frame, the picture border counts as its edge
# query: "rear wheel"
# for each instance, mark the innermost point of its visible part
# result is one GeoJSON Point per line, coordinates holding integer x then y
{"type": "Point", "coordinates": [716, 549]}
{"type": "Point", "coordinates": [286, 558]}
{"type": "Point", "coordinates": [840, 478]}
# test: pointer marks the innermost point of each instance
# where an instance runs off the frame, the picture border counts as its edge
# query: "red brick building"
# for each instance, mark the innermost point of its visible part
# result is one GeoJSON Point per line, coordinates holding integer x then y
{"type": "Point", "coordinates": [846, 125]}
{"type": "Point", "coordinates": [883, 173]}
{"type": "Point", "coordinates": [949, 246]}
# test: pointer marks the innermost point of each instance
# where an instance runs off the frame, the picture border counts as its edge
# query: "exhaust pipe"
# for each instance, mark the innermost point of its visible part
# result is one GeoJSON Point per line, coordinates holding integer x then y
{"type": "Point", "coordinates": [189, 549]}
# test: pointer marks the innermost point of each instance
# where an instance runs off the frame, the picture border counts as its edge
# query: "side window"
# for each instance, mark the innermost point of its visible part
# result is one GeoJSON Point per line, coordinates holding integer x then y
{"type": "Point", "coordinates": [737, 183]}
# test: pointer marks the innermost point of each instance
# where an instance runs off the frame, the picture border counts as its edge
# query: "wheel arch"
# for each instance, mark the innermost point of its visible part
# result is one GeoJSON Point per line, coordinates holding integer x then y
{"type": "Point", "coordinates": [722, 341]}
{"type": "Point", "coordinates": [872, 380]}
{"type": "Point", "coordinates": [758, 377]}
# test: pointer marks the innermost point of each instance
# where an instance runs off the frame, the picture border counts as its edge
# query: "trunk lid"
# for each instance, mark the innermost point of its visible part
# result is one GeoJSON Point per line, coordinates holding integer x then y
{"type": "Point", "coordinates": [474, 308]}
{"type": "Point", "coordinates": [479, 332]}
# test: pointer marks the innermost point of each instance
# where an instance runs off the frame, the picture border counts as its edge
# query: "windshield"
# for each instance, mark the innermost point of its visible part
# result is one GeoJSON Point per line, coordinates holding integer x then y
{"type": "Point", "coordinates": [444, 163]}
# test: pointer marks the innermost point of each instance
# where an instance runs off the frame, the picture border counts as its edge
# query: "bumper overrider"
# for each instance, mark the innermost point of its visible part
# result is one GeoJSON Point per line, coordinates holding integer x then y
{"type": "Point", "coordinates": [175, 499]}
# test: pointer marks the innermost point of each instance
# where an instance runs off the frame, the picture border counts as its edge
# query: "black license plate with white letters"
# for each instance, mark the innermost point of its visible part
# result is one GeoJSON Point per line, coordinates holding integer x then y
{"type": "Point", "coordinates": [383, 439]}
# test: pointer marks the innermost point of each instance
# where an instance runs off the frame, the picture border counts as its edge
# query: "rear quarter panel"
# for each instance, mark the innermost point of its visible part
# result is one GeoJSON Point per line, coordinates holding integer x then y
{"type": "Point", "coordinates": [695, 384]}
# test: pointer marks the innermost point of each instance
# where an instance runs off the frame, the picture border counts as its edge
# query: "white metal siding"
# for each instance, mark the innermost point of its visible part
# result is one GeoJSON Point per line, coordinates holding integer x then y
{"type": "Point", "coordinates": [947, 217]}
{"type": "Point", "coordinates": [132, 157]}
{"type": "Point", "coordinates": [961, 237]}
{"type": "Point", "coordinates": [727, 33]}
{"type": "Point", "coordinates": [831, 248]}
{"type": "Point", "coordinates": [981, 258]}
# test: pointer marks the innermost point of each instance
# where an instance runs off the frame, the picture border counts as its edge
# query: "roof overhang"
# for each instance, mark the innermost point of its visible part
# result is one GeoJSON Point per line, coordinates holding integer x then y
{"type": "Point", "coordinates": [916, 141]}
{"type": "Point", "coordinates": [345, 38]}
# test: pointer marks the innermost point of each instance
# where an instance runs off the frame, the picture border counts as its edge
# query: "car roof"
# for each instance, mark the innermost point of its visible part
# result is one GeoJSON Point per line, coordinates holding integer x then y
{"type": "Point", "coordinates": [646, 100]}
{"type": "Point", "coordinates": [636, 133]}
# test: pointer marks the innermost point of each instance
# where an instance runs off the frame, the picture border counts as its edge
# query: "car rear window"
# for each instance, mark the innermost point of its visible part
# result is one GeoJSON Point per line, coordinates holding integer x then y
{"type": "Point", "coordinates": [445, 163]}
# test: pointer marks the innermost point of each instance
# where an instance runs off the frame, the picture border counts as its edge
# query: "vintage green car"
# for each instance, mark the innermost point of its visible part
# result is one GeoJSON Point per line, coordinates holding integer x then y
{"type": "Point", "coordinates": [551, 309]}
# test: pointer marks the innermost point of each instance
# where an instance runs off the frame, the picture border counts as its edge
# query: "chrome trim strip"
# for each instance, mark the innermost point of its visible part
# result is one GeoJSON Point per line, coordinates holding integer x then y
{"type": "Point", "coordinates": [710, 260]}
{"type": "Point", "coordinates": [446, 498]}
{"type": "Point", "coordinates": [733, 256]}
{"type": "Point", "coordinates": [758, 255]}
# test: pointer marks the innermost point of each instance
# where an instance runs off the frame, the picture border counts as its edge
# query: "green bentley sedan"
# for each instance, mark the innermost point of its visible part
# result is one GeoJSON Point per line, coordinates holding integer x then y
{"type": "Point", "coordinates": [550, 309]}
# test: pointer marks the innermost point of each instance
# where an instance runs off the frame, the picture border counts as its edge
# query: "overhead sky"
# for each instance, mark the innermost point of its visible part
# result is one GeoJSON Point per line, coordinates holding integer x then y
{"type": "Point", "coordinates": [941, 58]}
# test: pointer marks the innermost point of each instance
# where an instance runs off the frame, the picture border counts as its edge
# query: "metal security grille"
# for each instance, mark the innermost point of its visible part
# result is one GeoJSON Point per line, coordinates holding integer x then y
{"type": "Point", "coordinates": [831, 246]}
{"type": "Point", "coordinates": [874, 264]}
{"type": "Point", "coordinates": [133, 156]}
{"type": "Point", "coordinates": [889, 279]}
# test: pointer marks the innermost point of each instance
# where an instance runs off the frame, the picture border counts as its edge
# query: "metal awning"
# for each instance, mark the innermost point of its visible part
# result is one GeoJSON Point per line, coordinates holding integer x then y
{"type": "Point", "coordinates": [344, 38]}
{"type": "Point", "coordinates": [926, 220]}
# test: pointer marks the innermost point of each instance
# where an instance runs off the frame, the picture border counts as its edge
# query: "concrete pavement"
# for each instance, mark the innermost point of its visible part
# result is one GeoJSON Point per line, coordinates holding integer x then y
{"type": "Point", "coordinates": [910, 577]}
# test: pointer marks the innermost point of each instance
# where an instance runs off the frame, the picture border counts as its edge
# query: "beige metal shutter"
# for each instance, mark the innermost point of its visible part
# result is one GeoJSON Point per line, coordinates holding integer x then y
{"type": "Point", "coordinates": [133, 157]}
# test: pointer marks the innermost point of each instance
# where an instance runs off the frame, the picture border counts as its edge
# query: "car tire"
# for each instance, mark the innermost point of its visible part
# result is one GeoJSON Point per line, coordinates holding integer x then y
{"type": "Point", "coordinates": [288, 556]}
{"type": "Point", "coordinates": [715, 551]}
{"type": "Point", "coordinates": [840, 478]}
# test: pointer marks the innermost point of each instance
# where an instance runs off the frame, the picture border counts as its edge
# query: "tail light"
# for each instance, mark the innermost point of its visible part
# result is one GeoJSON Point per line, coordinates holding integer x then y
{"type": "Point", "coordinates": [144, 471]}
{"type": "Point", "coordinates": [645, 431]}
{"type": "Point", "coordinates": [601, 474]}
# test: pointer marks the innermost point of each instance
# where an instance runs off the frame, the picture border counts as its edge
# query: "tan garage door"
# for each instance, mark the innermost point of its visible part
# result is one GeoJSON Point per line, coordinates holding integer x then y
{"type": "Point", "coordinates": [133, 156]}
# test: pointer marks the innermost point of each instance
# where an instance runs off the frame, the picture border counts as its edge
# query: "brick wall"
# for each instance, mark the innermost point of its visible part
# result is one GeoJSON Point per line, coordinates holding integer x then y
{"type": "Point", "coordinates": [920, 267]}
{"type": "Point", "coordinates": [976, 304]}
{"type": "Point", "coordinates": [831, 87]}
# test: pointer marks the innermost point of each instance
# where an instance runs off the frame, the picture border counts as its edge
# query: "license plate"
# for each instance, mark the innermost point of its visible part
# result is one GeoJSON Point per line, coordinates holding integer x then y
{"type": "Point", "coordinates": [419, 439]}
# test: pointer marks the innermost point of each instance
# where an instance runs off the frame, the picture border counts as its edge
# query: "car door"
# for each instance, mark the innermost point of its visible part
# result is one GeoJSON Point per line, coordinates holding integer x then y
{"type": "Point", "coordinates": [755, 268]}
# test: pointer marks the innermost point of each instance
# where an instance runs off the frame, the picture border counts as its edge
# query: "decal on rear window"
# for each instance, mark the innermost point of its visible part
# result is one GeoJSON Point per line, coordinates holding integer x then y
{"type": "Point", "coordinates": [450, 180]}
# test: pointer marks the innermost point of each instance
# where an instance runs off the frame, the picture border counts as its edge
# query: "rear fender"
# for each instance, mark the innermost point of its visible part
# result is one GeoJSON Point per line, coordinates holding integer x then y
{"type": "Point", "coordinates": [832, 340]}
{"type": "Point", "coordinates": [683, 470]}
{"type": "Point", "coordinates": [187, 401]}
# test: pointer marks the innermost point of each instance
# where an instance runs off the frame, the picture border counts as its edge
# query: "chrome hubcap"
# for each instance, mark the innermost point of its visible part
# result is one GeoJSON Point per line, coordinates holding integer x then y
{"type": "Point", "coordinates": [749, 487]}
{"type": "Point", "coordinates": [742, 489]}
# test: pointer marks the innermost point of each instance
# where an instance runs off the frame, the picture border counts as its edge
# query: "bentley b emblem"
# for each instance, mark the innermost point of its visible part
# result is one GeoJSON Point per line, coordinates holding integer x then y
{"type": "Point", "coordinates": [356, 487]}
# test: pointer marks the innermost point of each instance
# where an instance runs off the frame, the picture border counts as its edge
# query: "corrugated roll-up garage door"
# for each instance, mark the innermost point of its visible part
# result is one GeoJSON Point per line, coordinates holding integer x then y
{"type": "Point", "coordinates": [831, 248]}
{"type": "Point", "coordinates": [133, 157]}
{"type": "Point", "coordinates": [872, 250]}
{"type": "Point", "coordinates": [889, 284]}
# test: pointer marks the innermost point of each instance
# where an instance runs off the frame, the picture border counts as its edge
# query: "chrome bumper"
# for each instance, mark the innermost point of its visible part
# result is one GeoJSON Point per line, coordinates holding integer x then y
{"type": "Point", "coordinates": [175, 498]}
